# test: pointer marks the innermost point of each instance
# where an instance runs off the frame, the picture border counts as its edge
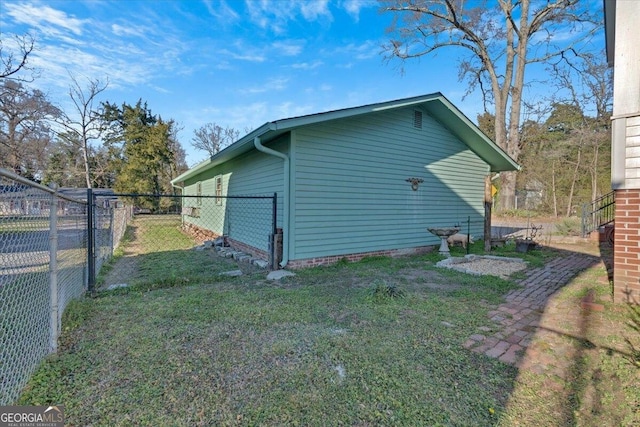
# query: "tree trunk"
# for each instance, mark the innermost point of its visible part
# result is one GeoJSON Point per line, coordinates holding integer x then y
{"type": "Point", "coordinates": [487, 213]}
{"type": "Point", "coordinates": [553, 189]}
{"type": "Point", "coordinates": [573, 184]}
{"type": "Point", "coordinates": [507, 198]}
{"type": "Point", "coordinates": [594, 174]}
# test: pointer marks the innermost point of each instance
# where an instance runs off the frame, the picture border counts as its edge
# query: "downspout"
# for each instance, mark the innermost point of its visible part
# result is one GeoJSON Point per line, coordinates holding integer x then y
{"type": "Point", "coordinates": [285, 205]}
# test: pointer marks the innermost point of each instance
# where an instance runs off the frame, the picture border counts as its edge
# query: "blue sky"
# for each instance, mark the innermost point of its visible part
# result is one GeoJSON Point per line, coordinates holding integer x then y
{"type": "Point", "coordinates": [229, 62]}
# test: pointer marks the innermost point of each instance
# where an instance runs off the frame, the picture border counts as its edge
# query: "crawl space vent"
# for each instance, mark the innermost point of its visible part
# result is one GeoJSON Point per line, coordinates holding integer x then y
{"type": "Point", "coordinates": [417, 119]}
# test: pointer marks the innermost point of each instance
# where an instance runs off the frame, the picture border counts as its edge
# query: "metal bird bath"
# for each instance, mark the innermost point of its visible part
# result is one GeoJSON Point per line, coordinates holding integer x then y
{"type": "Point", "coordinates": [444, 233]}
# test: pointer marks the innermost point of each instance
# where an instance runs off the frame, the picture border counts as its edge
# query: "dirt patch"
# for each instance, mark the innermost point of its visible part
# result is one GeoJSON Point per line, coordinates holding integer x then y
{"type": "Point", "coordinates": [418, 279]}
{"type": "Point", "coordinates": [122, 271]}
{"type": "Point", "coordinates": [126, 267]}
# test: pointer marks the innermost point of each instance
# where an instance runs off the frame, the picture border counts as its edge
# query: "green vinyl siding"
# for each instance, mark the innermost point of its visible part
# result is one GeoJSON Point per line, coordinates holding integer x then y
{"type": "Point", "coordinates": [205, 211]}
{"type": "Point", "coordinates": [350, 193]}
{"type": "Point", "coordinates": [245, 220]}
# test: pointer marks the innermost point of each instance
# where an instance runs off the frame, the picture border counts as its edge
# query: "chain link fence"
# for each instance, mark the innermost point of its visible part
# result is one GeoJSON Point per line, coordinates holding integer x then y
{"type": "Point", "coordinates": [161, 240]}
{"type": "Point", "coordinates": [49, 254]}
{"type": "Point", "coordinates": [110, 219]}
{"type": "Point", "coordinates": [43, 266]}
{"type": "Point", "coordinates": [245, 222]}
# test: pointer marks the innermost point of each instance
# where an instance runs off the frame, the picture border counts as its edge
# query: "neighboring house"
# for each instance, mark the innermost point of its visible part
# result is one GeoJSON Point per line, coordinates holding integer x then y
{"type": "Point", "coordinates": [19, 199]}
{"type": "Point", "coordinates": [354, 182]}
{"type": "Point", "coordinates": [530, 197]}
{"type": "Point", "coordinates": [623, 53]}
{"type": "Point", "coordinates": [25, 200]}
{"type": "Point", "coordinates": [104, 197]}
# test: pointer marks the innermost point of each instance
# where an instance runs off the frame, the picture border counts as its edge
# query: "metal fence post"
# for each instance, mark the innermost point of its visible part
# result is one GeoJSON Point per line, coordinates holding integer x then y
{"type": "Point", "coordinates": [112, 229]}
{"type": "Point", "coordinates": [91, 260]}
{"type": "Point", "coordinates": [53, 270]}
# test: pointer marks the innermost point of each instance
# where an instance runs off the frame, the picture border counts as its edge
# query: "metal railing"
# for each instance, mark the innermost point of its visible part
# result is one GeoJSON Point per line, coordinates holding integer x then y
{"type": "Point", "coordinates": [598, 213]}
{"type": "Point", "coordinates": [43, 266]}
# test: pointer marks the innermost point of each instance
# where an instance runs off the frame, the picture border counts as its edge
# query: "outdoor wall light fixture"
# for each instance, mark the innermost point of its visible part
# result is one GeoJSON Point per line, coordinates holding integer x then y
{"type": "Point", "coordinates": [415, 182]}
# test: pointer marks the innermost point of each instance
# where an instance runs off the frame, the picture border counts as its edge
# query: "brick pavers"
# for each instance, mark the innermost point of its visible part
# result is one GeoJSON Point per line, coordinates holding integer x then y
{"type": "Point", "coordinates": [519, 316]}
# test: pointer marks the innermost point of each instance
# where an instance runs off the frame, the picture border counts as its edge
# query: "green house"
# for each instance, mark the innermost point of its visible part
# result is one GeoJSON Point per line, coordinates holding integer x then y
{"type": "Point", "coordinates": [350, 183]}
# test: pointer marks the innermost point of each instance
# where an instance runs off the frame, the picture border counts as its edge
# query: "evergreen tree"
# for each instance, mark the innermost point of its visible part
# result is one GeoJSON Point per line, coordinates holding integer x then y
{"type": "Point", "coordinates": [141, 148]}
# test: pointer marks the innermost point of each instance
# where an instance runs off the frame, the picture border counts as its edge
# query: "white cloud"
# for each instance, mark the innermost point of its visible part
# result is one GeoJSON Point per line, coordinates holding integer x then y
{"type": "Point", "coordinates": [222, 11]}
{"type": "Point", "coordinates": [130, 30]}
{"type": "Point", "coordinates": [307, 65]}
{"type": "Point", "coordinates": [249, 57]}
{"type": "Point", "coordinates": [288, 48]}
{"type": "Point", "coordinates": [353, 7]}
{"type": "Point", "coordinates": [312, 10]}
{"type": "Point", "coordinates": [49, 20]}
{"type": "Point", "coordinates": [56, 62]}
{"type": "Point", "coordinates": [224, 65]}
{"type": "Point", "coordinates": [288, 109]}
{"type": "Point", "coordinates": [242, 116]}
{"type": "Point", "coordinates": [313, 90]}
{"type": "Point", "coordinates": [366, 50]}
{"type": "Point", "coordinates": [272, 85]}
{"type": "Point", "coordinates": [275, 15]}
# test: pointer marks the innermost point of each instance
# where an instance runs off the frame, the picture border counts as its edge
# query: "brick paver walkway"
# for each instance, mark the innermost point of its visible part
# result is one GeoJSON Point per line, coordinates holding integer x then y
{"type": "Point", "coordinates": [519, 317]}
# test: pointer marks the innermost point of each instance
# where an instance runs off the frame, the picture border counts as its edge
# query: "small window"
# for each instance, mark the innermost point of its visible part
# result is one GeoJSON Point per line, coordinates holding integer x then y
{"type": "Point", "coordinates": [218, 190]}
{"type": "Point", "coordinates": [417, 119]}
{"type": "Point", "coordinates": [199, 194]}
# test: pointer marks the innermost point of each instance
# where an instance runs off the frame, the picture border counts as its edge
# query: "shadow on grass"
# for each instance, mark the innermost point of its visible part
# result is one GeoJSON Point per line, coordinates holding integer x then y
{"type": "Point", "coordinates": [581, 354]}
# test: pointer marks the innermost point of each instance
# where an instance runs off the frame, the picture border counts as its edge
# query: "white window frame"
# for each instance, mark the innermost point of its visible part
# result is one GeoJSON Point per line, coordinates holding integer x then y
{"type": "Point", "coordinates": [218, 189]}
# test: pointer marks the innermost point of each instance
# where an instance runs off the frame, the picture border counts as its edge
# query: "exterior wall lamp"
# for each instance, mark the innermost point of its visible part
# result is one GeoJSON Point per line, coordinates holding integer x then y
{"type": "Point", "coordinates": [415, 182]}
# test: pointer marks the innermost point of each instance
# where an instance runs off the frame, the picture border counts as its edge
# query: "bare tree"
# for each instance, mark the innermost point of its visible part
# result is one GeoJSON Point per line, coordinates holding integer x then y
{"type": "Point", "coordinates": [589, 84]}
{"type": "Point", "coordinates": [25, 128]}
{"type": "Point", "coordinates": [85, 126]}
{"type": "Point", "coordinates": [179, 164]}
{"type": "Point", "coordinates": [501, 38]}
{"type": "Point", "coordinates": [11, 62]}
{"type": "Point", "coordinates": [212, 138]}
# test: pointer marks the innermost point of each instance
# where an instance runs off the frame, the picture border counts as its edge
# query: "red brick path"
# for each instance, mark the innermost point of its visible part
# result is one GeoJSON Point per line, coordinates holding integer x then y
{"type": "Point", "coordinates": [519, 317]}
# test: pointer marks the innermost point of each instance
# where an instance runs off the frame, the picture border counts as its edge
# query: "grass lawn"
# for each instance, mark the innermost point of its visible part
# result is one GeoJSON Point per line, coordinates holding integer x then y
{"type": "Point", "coordinates": [321, 348]}
{"type": "Point", "coordinates": [376, 342]}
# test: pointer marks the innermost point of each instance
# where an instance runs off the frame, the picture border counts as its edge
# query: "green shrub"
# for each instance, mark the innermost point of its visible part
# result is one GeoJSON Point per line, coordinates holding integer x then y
{"type": "Point", "coordinates": [383, 291]}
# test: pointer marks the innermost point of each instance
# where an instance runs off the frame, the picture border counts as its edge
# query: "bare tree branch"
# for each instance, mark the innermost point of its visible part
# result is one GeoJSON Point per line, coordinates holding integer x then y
{"type": "Point", "coordinates": [11, 63]}
{"type": "Point", "coordinates": [212, 138]}
{"type": "Point", "coordinates": [500, 38]}
{"type": "Point", "coordinates": [85, 125]}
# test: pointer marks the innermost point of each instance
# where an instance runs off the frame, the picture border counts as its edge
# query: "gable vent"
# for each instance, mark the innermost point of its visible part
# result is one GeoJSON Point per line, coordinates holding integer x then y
{"type": "Point", "coordinates": [417, 119]}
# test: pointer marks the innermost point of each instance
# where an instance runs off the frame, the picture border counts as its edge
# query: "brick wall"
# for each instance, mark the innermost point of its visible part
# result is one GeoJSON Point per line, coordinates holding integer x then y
{"type": "Point", "coordinates": [202, 234]}
{"type": "Point", "coordinates": [312, 262]}
{"type": "Point", "coordinates": [199, 234]}
{"type": "Point", "coordinates": [626, 251]}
